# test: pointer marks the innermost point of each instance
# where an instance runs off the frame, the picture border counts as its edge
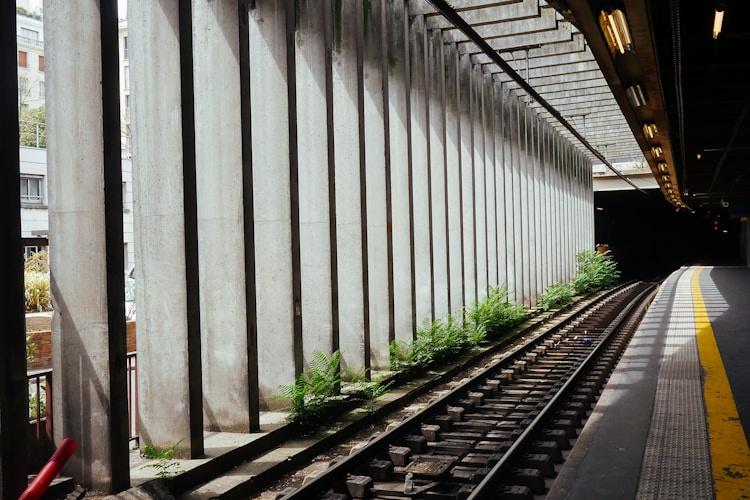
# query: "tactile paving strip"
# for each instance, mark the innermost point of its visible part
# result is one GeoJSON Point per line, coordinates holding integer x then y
{"type": "Point", "coordinates": [677, 462]}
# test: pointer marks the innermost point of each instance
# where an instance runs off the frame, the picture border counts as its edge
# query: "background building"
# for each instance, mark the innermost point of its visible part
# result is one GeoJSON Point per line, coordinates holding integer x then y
{"type": "Point", "coordinates": [33, 135]}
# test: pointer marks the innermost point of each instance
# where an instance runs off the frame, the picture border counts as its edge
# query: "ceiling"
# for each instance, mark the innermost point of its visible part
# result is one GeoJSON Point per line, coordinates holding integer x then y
{"type": "Point", "coordinates": [696, 90]}
{"type": "Point", "coordinates": [693, 87]}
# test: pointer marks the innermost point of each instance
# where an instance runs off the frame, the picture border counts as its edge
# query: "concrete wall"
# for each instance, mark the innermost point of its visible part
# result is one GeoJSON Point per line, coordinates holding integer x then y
{"type": "Point", "coordinates": [337, 177]}
{"type": "Point", "coordinates": [394, 180]}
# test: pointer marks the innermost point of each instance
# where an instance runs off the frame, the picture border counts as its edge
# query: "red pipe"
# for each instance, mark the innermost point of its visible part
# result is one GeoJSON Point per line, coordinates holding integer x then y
{"type": "Point", "coordinates": [41, 482]}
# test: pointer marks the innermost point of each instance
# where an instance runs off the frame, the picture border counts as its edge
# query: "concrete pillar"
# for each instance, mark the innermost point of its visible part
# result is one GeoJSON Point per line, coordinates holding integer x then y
{"type": "Point", "coordinates": [490, 177]}
{"type": "Point", "coordinates": [516, 137]}
{"type": "Point", "coordinates": [527, 221]}
{"type": "Point", "coordinates": [537, 262]}
{"type": "Point", "coordinates": [221, 242]}
{"type": "Point", "coordinates": [86, 260]}
{"type": "Point", "coordinates": [453, 180]}
{"type": "Point", "coordinates": [438, 185]}
{"type": "Point", "coordinates": [568, 217]}
{"type": "Point", "coordinates": [559, 225]}
{"type": "Point", "coordinates": [500, 187]}
{"type": "Point", "coordinates": [169, 376]}
{"type": "Point", "coordinates": [545, 193]}
{"type": "Point", "coordinates": [13, 384]}
{"type": "Point", "coordinates": [379, 241]}
{"type": "Point", "coordinates": [316, 179]}
{"type": "Point", "coordinates": [279, 308]}
{"type": "Point", "coordinates": [350, 184]}
{"type": "Point", "coordinates": [468, 214]}
{"type": "Point", "coordinates": [420, 170]}
{"type": "Point", "coordinates": [479, 180]}
{"type": "Point", "coordinates": [399, 125]}
{"type": "Point", "coordinates": [508, 154]}
{"type": "Point", "coordinates": [560, 250]}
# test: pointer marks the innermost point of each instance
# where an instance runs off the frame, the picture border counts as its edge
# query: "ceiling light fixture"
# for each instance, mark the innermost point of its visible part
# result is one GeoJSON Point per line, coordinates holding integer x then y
{"type": "Point", "coordinates": [636, 96]}
{"type": "Point", "coordinates": [665, 177]}
{"type": "Point", "coordinates": [718, 19]}
{"type": "Point", "coordinates": [616, 31]}
{"type": "Point", "coordinates": [650, 130]}
{"type": "Point", "coordinates": [662, 167]}
{"type": "Point", "coordinates": [657, 152]}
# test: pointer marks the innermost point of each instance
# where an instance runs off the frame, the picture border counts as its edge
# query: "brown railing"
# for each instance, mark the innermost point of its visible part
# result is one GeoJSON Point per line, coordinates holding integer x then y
{"type": "Point", "coordinates": [39, 431]}
{"type": "Point", "coordinates": [40, 401]}
{"type": "Point", "coordinates": [132, 397]}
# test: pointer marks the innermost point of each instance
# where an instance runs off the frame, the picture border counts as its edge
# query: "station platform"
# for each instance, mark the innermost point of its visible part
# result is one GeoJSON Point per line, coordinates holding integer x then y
{"type": "Point", "coordinates": [673, 420]}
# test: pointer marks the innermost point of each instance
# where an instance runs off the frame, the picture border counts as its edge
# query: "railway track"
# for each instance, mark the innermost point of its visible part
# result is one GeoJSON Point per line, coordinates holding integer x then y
{"type": "Point", "coordinates": [501, 433]}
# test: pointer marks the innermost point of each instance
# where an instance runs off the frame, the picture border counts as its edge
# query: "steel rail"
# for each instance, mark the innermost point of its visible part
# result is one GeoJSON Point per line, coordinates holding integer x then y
{"type": "Point", "coordinates": [487, 488]}
{"type": "Point", "coordinates": [377, 445]}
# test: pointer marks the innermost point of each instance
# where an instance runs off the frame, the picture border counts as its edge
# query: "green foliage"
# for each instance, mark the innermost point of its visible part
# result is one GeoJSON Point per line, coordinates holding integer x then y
{"type": "Point", "coordinates": [365, 390]}
{"type": "Point", "coordinates": [37, 14]}
{"type": "Point", "coordinates": [436, 341]}
{"type": "Point", "coordinates": [556, 296]}
{"type": "Point", "coordinates": [165, 465]}
{"type": "Point", "coordinates": [316, 389]}
{"type": "Point", "coordinates": [37, 262]}
{"type": "Point", "coordinates": [319, 389]}
{"type": "Point", "coordinates": [439, 340]}
{"type": "Point", "coordinates": [36, 279]}
{"type": "Point", "coordinates": [32, 127]}
{"type": "Point", "coordinates": [37, 291]}
{"type": "Point", "coordinates": [39, 399]}
{"type": "Point", "coordinates": [30, 346]}
{"type": "Point", "coordinates": [495, 312]}
{"type": "Point", "coordinates": [595, 270]}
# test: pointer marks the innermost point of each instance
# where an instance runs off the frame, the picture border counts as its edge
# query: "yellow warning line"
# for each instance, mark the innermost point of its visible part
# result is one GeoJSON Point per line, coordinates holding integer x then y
{"type": "Point", "coordinates": [730, 455]}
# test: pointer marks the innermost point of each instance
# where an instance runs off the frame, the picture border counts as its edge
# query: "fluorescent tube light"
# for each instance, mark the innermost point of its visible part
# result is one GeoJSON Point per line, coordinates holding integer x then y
{"type": "Point", "coordinates": [636, 96]}
{"type": "Point", "coordinates": [616, 31]}
{"type": "Point", "coordinates": [718, 20]}
{"type": "Point", "coordinates": [649, 130]}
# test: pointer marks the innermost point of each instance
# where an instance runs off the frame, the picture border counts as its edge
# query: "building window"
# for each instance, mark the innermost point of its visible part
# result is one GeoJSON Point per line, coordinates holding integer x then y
{"type": "Point", "coordinates": [127, 107]}
{"type": "Point", "coordinates": [124, 47]}
{"type": "Point", "coordinates": [22, 59]}
{"type": "Point", "coordinates": [41, 89]}
{"type": "Point", "coordinates": [28, 251]}
{"type": "Point", "coordinates": [31, 189]}
{"type": "Point", "coordinates": [41, 63]}
{"type": "Point", "coordinates": [29, 34]}
{"type": "Point", "coordinates": [23, 89]}
{"type": "Point", "coordinates": [126, 77]}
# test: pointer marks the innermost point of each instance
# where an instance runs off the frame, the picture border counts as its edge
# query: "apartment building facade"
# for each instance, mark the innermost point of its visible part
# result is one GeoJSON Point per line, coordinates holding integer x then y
{"type": "Point", "coordinates": [33, 142]}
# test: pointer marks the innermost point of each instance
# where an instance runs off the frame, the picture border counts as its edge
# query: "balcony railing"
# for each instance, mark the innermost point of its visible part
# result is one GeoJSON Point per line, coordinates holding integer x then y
{"type": "Point", "coordinates": [29, 41]}
{"type": "Point", "coordinates": [32, 134]}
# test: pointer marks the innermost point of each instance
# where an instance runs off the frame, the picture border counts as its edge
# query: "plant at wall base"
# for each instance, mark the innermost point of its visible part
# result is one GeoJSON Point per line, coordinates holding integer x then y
{"type": "Point", "coordinates": [165, 465]}
{"type": "Point", "coordinates": [495, 312]}
{"type": "Point", "coordinates": [356, 387]}
{"type": "Point", "coordinates": [315, 390]}
{"type": "Point", "coordinates": [438, 340]}
{"type": "Point", "coordinates": [441, 339]}
{"type": "Point", "coordinates": [595, 270]}
{"type": "Point", "coordinates": [556, 296]}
